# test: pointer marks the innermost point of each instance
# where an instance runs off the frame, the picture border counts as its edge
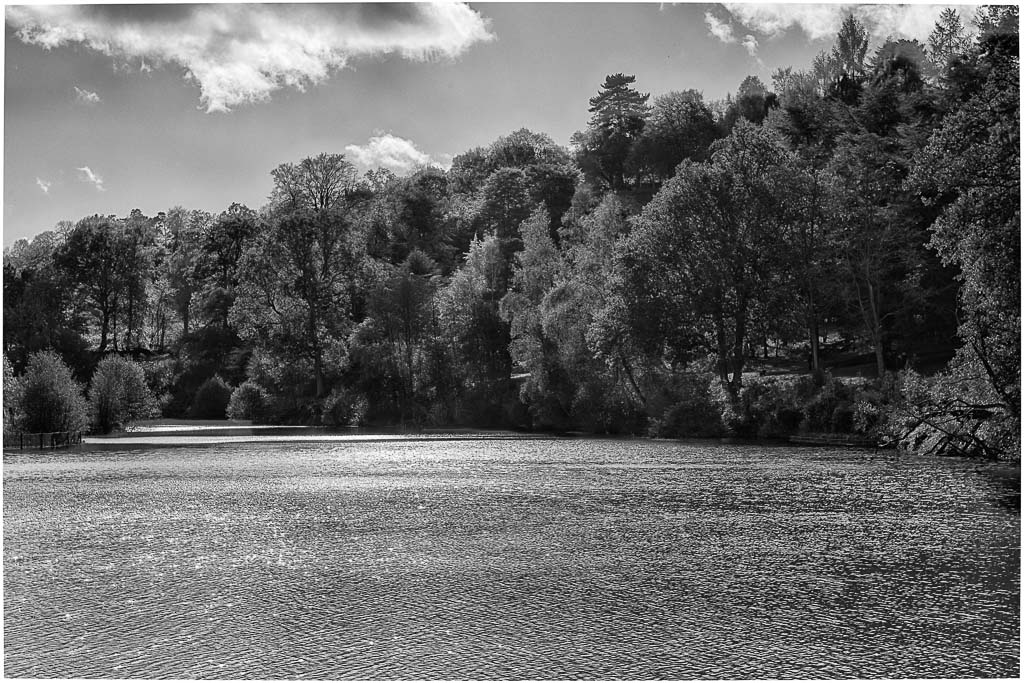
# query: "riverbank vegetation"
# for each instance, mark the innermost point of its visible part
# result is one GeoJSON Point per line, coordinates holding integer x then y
{"type": "Point", "coordinates": [838, 251]}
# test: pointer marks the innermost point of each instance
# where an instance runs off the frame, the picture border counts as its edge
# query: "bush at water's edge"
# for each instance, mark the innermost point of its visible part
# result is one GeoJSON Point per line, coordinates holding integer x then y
{"type": "Point", "coordinates": [45, 398]}
{"type": "Point", "coordinates": [119, 395]}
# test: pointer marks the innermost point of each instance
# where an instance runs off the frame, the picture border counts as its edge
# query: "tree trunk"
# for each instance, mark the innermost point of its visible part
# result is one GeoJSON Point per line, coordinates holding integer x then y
{"type": "Point", "coordinates": [104, 329]}
{"type": "Point", "coordinates": [318, 370]}
{"type": "Point", "coordinates": [131, 321]}
{"type": "Point", "coordinates": [812, 309]}
{"type": "Point", "coordinates": [815, 352]}
{"type": "Point", "coordinates": [736, 383]}
{"type": "Point", "coordinates": [632, 378]}
{"type": "Point", "coordinates": [812, 328]}
{"type": "Point", "coordinates": [163, 329]}
{"type": "Point", "coordinates": [113, 323]}
{"type": "Point", "coordinates": [879, 358]}
{"type": "Point", "coordinates": [723, 348]}
{"type": "Point", "coordinates": [876, 331]}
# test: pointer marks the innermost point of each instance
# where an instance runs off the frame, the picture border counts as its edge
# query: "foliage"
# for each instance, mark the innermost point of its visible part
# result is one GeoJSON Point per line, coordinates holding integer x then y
{"type": "Point", "coordinates": [820, 412]}
{"type": "Point", "coordinates": [345, 408]}
{"type": "Point", "coordinates": [92, 264]}
{"type": "Point", "coordinates": [475, 337]}
{"type": "Point", "coordinates": [39, 311]}
{"type": "Point", "coordinates": [119, 395]}
{"type": "Point", "coordinates": [864, 206]}
{"type": "Point", "coordinates": [692, 411]}
{"type": "Point", "coordinates": [296, 277]}
{"type": "Point", "coordinates": [46, 398]}
{"type": "Point", "coordinates": [535, 271]}
{"type": "Point", "coordinates": [971, 167]}
{"type": "Point", "coordinates": [161, 375]}
{"type": "Point", "coordinates": [771, 407]}
{"type": "Point", "coordinates": [289, 385]}
{"type": "Point", "coordinates": [953, 413]}
{"type": "Point", "coordinates": [184, 231]}
{"type": "Point", "coordinates": [391, 347]}
{"type": "Point", "coordinates": [317, 184]}
{"type": "Point", "coordinates": [506, 204]}
{"type": "Point", "coordinates": [10, 390]}
{"type": "Point", "coordinates": [712, 244]}
{"type": "Point", "coordinates": [211, 400]}
{"type": "Point", "coordinates": [851, 47]}
{"type": "Point", "coordinates": [217, 268]}
{"type": "Point", "coordinates": [680, 126]}
{"type": "Point", "coordinates": [248, 402]}
{"type": "Point", "coordinates": [618, 113]}
{"type": "Point", "coordinates": [948, 41]}
{"type": "Point", "coordinates": [753, 103]}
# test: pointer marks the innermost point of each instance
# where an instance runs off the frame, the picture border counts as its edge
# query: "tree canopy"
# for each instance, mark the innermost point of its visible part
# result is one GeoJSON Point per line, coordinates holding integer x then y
{"type": "Point", "coordinates": [858, 215]}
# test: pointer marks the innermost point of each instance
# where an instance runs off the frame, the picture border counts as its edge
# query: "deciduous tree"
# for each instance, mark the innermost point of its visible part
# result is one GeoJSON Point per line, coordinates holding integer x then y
{"type": "Point", "coordinates": [92, 264]}
{"type": "Point", "coordinates": [971, 169]}
{"type": "Point", "coordinates": [295, 277]}
{"type": "Point", "coordinates": [118, 395]}
{"type": "Point", "coordinates": [713, 243]}
{"type": "Point", "coordinates": [47, 399]}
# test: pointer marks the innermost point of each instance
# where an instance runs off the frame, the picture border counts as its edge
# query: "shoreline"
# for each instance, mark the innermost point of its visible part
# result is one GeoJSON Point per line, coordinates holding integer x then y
{"type": "Point", "coordinates": [177, 433]}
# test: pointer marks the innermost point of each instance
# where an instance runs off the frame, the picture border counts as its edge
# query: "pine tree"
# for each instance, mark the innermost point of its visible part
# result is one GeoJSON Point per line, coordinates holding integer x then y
{"type": "Point", "coordinates": [618, 113]}
{"type": "Point", "coordinates": [851, 47]}
{"type": "Point", "coordinates": [948, 40]}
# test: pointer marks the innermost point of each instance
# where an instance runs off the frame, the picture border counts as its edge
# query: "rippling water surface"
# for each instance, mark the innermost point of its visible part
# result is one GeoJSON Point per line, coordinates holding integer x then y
{"type": "Point", "coordinates": [501, 558]}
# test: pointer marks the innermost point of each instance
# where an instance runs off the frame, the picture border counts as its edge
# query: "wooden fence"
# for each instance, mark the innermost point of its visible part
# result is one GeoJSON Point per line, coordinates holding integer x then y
{"type": "Point", "coordinates": [41, 440]}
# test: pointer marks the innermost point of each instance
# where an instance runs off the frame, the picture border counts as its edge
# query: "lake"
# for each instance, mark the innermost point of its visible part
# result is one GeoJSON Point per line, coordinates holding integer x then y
{"type": "Point", "coordinates": [505, 557]}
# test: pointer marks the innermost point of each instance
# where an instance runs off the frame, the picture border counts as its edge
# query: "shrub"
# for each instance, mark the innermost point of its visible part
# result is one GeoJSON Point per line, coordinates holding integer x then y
{"type": "Point", "coordinates": [211, 400]}
{"type": "Point", "coordinates": [688, 418]}
{"type": "Point", "coordinates": [10, 389]}
{"type": "Point", "coordinates": [843, 418]}
{"type": "Point", "coordinates": [118, 394]}
{"type": "Point", "coordinates": [598, 406]}
{"type": "Point", "coordinates": [820, 410]}
{"type": "Point", "coordinates": [955, 412]}
{"type": "Point", "coordinates": [768, 407]}
{"type": "Point", "coordinates": [344, 408]}
{"type": "Point", "coordinates": [46, 398]}
{"type": "Point", "coordinates": [289, 386]}
{"type": "Point", "coordinates": [248, 402]}
{"type": "Point", "coordinates": [695, 412]}
{"type": "Point", "coordinates": [160, 378]}
{"type": "Point", "coordinates": [789, 419]}
{"type": "Point", "coordinates": [867, 418]}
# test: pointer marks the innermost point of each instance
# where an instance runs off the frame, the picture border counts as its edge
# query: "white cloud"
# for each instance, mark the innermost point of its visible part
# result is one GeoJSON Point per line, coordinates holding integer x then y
{"type": "Point", "coordinates": [87, 175]}
{"type": "Point", "coordinates": [444, 161]}
{"type": "Point", "coordinates": [822, 21]}
{"type": "Point", "coordinates": [239, 53]}
{"type": "Point", "coordinates": [86, 96]}
{"type": "Point", "coordinates": [44, 185]}
{"type": "Point", "coordinates": [719, 29]}
{"type": "Point", "coordinates": [749, 43]}
{"type": "Point", "coordinates": [391, 152]}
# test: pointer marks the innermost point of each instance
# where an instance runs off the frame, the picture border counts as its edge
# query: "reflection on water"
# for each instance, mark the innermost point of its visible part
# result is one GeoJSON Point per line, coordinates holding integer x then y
{"type": "Point", "coordinates": [507, 559]}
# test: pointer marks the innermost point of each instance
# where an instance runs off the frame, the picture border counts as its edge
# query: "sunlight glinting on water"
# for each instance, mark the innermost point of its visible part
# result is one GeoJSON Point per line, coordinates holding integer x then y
{"type": "Point", "coordinates": [540, 558]}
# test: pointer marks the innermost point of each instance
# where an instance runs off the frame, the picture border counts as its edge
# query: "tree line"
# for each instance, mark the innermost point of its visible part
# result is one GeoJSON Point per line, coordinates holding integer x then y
{"type": "Point", "coordinates": [865, 209]}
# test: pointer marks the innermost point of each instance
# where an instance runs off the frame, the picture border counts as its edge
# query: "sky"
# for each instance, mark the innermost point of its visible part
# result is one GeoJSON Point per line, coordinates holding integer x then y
{"type": "Point", "coordinates": [109, 108]}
